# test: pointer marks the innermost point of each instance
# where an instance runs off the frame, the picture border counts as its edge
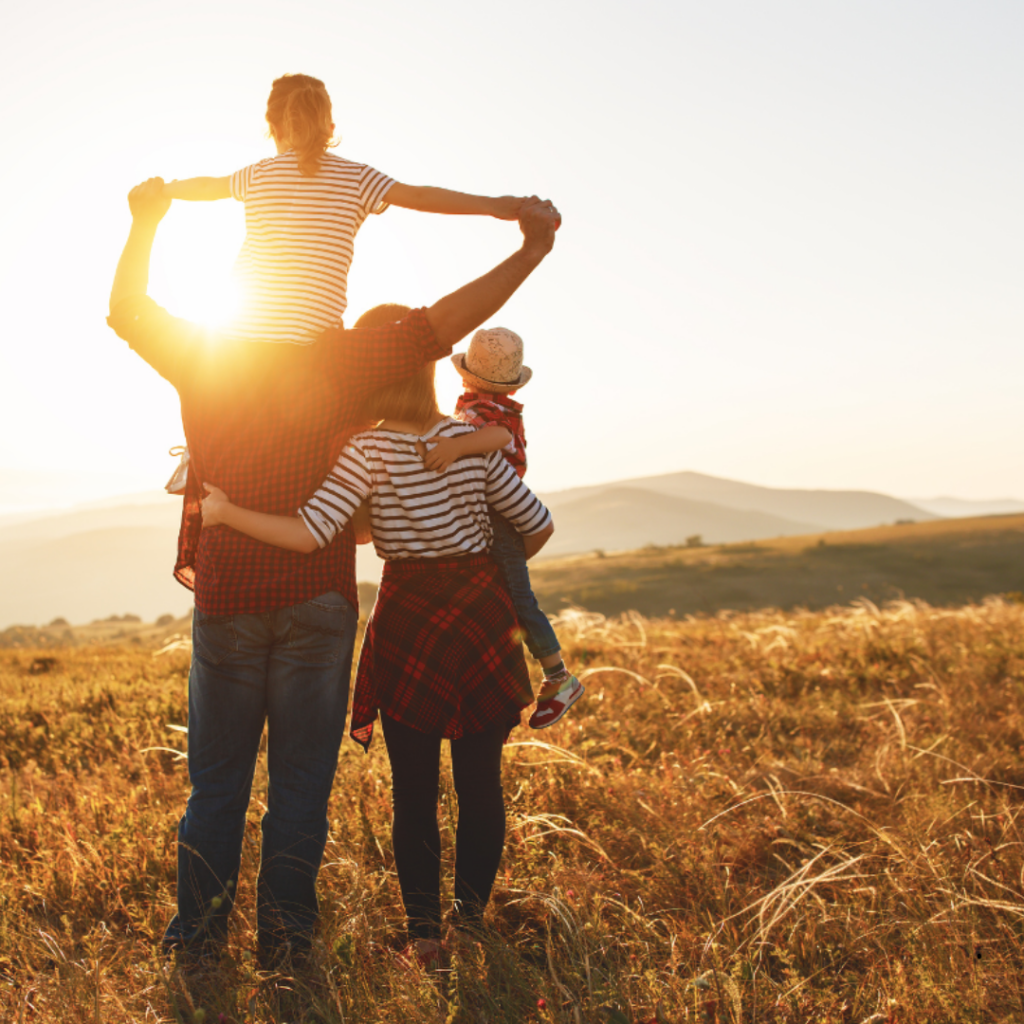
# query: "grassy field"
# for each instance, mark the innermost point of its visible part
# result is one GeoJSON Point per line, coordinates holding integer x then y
{"type": "Point", "coordinates": [759, 817]}
{"type": "Point", "coordinates": [949, 561]}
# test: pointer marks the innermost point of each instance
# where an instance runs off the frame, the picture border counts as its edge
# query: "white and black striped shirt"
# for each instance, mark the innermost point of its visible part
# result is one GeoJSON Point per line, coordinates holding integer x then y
{"type": "Point", "coordinates": [298, 244]}
{"type": "Point", "coordinates": [415, 512]}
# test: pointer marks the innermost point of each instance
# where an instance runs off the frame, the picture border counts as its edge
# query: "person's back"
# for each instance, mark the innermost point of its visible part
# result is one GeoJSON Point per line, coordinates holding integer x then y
{"type": "Point", "coordinates": [415, 512]}
{"type": "Point", "coordinates": [303, 208]}
{"type": "Point", "coordinates": [300, 232]}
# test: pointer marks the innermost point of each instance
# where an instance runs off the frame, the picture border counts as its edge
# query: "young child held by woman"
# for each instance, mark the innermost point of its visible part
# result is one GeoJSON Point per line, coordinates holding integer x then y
{"type": "Point", "coordinates": [493, 371]}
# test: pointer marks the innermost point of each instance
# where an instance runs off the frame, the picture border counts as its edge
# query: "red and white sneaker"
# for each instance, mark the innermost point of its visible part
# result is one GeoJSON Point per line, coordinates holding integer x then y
{"type": "Point", "coordinates": [554, 707]}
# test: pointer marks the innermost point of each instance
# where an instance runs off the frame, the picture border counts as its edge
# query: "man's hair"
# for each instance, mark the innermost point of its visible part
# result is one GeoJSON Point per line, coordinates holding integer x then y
{"type": "Point", "coordinates": [386, 313]}
{"type": "Point", "coordinates": [299, 110]}
{"type": "Point", "coordinates": [412, 399]}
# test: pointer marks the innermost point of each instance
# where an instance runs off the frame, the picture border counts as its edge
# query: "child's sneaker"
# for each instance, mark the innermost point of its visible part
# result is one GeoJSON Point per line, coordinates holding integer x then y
{"type": "Point", "coordinates": [551, 709]}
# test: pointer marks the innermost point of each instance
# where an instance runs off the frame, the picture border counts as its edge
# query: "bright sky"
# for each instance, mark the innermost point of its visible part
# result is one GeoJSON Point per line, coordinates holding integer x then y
{"type": "Point", "coordinates": [791, 250]}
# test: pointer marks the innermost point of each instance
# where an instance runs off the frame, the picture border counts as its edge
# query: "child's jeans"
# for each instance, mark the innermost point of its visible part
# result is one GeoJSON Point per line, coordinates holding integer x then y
{"type": "Point", "coordinates": [510, 554]}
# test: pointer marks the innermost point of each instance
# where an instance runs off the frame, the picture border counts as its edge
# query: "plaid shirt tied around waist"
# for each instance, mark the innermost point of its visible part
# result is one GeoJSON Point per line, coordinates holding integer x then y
{"type": "Point", "coordinates": [442, 651]}
{"type": "Point", "coordinates": [266, 423]}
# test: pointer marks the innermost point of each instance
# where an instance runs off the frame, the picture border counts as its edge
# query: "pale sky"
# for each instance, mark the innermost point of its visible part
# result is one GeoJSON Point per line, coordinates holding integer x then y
{"type": "Point", "coordinates": [792, 243]}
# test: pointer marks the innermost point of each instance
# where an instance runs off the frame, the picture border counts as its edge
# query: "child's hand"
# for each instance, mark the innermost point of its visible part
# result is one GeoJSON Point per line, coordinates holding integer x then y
{"type": "Point", "coordinates": [214, 505]}
{"type": "Point", "coordinates": [445, 451]}
{"type": "Point", "coordinates": [507, 207]}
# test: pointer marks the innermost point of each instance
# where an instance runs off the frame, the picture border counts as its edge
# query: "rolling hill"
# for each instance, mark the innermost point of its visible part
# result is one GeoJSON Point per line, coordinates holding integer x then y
{"type": "Point", "coordinates": [944, 562]}
{"type": "Point", "coordinates": [116, 558]}
{"type": "Point", "coordinates": [811, 510]}
{"type": "Point", "coordinates": [630, 517]}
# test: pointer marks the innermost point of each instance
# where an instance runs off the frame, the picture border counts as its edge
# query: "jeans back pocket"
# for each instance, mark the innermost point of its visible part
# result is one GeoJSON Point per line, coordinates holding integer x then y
{"type": "Point", "coordinates": [213, 636]}
{"type": "Point", "coordinates": [317, 631]}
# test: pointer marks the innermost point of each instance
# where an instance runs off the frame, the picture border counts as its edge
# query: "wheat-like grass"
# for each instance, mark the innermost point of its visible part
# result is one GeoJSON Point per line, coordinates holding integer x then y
{"type": "Point", "coordinates": [763, 817]}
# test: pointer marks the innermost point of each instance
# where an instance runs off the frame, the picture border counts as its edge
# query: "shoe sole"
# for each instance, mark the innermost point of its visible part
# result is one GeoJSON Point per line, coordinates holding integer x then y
{"type": "Point", "coordinates": [561, 714]}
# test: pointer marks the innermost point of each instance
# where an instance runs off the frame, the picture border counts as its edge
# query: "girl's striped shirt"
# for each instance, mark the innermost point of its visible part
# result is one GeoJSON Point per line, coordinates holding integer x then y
{"type": "Point", "coordinates": [298, 245]}
{"type": "Point", "coordinates": [415, 512]}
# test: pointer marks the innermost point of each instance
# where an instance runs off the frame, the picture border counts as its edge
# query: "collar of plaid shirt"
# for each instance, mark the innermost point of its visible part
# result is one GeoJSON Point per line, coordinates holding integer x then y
{"type": "Point", "coordinates": [266, 423]}
{"type": "Point", "coordinates": [484, 408]}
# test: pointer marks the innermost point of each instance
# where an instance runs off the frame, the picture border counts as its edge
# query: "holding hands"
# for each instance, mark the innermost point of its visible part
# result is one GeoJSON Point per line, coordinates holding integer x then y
{"type": "Point", "coordinates": [507, 207]}
{"type": "Point", "coordinates": [147, 201]}
{"type": "Point", "coordinates": [539, 219]}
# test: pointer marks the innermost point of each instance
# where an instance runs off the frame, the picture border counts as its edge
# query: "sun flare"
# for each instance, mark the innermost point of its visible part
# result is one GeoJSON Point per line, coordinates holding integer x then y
{"type": "Point", "coordinates": [193, 262]}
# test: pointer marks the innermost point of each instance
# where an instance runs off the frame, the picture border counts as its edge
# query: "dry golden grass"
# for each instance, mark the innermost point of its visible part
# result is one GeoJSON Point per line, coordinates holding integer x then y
{"type": "Point", "coordinates": [758, 817]}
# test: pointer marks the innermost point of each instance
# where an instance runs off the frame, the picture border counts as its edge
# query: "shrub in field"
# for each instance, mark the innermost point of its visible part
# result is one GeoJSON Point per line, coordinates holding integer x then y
{"type": "Point", "coordinates": [759, 817]}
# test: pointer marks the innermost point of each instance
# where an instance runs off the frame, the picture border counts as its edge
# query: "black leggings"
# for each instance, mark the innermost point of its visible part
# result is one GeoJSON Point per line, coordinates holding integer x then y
{"type": "Point", "coordinates": [415, 773]}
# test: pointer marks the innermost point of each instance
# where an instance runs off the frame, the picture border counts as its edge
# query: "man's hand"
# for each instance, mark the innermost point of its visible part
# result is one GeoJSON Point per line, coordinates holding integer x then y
{"type": "Point", "coordinates": [148, 202]}
{"type": "Point", "coordinates": [214, 505]}
{"type": "Point", "coordinates": [454, 316]}
{"type": "Point", "coordinates": [539, 219]}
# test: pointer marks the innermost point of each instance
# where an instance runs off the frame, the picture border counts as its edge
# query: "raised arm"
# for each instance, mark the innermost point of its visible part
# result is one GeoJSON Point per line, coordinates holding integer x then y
{"type": "Point", "coordinates": [148, 206]}
{"type": "Point", "coordinates": [475, 303]}
{"type": "Point", "coordinates": [368, 358]}
{"type": "Point", "coordinates": [199, 189]}
{"type": "Point", "coordinates": [287, 532]}
{"type": "Point", "coordinates": [429, 199]}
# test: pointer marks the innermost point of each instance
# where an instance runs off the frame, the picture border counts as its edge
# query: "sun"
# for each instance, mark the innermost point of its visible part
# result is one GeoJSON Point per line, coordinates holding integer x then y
{"type": "Point", "coordinates": [193, 261]}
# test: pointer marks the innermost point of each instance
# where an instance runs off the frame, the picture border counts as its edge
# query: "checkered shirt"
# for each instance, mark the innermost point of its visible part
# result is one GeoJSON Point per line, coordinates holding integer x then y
{"type": "Point", "coordinates": [484, 409]}
{"type": "Point", "coordinates": [265, 423]}
{"type": "Point", "coordinates": [442, 652]}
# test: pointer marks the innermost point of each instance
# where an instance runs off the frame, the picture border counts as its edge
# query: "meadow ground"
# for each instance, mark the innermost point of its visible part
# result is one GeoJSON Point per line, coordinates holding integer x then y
{"type": "Point", "coordinates": [763, 817]}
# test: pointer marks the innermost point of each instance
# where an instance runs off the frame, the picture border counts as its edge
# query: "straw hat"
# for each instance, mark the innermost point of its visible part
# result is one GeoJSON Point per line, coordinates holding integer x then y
{"type": "Point", "coordinates": [494, 361]}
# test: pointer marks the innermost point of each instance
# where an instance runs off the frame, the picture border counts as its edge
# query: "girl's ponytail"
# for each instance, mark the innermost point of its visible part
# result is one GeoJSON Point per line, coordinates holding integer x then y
{"type": "Point", "coordinates": [299, 110]}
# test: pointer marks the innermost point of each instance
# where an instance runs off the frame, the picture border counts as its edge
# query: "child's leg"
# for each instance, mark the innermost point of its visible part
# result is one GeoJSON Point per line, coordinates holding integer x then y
{"type": "Point", "coordinates": [561, 688]}
{"type": "Point", "coordinates": [510, 554]}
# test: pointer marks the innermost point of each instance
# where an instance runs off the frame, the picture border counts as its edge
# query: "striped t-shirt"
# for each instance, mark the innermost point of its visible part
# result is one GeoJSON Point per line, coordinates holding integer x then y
{"type": "Point", "coordinates": [298, 244]}
{"type": "Point", "coordinates": [415, 512]}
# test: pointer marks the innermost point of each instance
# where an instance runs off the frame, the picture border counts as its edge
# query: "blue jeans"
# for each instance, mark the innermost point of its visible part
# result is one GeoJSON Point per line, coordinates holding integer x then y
{"type": "Point", "coordinates": [510, 554]}
{"type": "Point", "coordinates": [289, 668]}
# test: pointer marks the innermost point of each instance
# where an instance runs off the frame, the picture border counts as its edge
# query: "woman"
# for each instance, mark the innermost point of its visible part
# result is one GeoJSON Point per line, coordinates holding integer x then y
{"type": "Point", "coordinates": [442, 658]}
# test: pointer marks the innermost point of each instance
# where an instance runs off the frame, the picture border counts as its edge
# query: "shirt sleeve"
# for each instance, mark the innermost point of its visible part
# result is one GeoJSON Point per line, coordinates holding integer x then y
{"type": "Point", "coordinates": [373, 187]}
{"type": "Point", "coordinates": [507, 494]}
{"type": "Point", "coordinates": [241, 182]}
{"type": "Point", "coordinates": [360, 361]}
{"type": "Point", "coordinates": [170, 345]}
{"type": "Point", "coordinates": [328, 512]}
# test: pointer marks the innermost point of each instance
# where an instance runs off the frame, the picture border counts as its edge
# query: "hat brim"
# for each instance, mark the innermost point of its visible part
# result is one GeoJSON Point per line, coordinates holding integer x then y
{"type": "Point", "coordinates": [459, 362]}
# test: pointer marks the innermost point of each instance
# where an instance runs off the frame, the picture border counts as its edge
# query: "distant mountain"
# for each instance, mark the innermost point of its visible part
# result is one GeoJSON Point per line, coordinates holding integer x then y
{"type": "Point", "coordinates": [93, 562]}
{"type": "Point", "coordinates": [115, 558]}
{"type": "Point", "coordinates": [817, 510]}
{"type": "Point", "coordinates": [958, 508]}
{"type": "Point", "coordinates": [91, 575]}
{"type": "Point", "coordinates": [164, 514]}
{"type": "Point", "coordinates": [621, 518]}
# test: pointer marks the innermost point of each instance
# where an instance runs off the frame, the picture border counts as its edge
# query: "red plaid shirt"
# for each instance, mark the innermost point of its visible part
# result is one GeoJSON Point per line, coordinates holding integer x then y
{"type": "Point", "coordinates": [265, 423]}
{"type": "Point", "coordinates": [485, 409]}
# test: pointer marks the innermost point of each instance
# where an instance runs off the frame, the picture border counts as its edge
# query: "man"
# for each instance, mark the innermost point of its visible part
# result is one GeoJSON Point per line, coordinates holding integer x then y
{"type": "Point", "coordinates": [273, 630]}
